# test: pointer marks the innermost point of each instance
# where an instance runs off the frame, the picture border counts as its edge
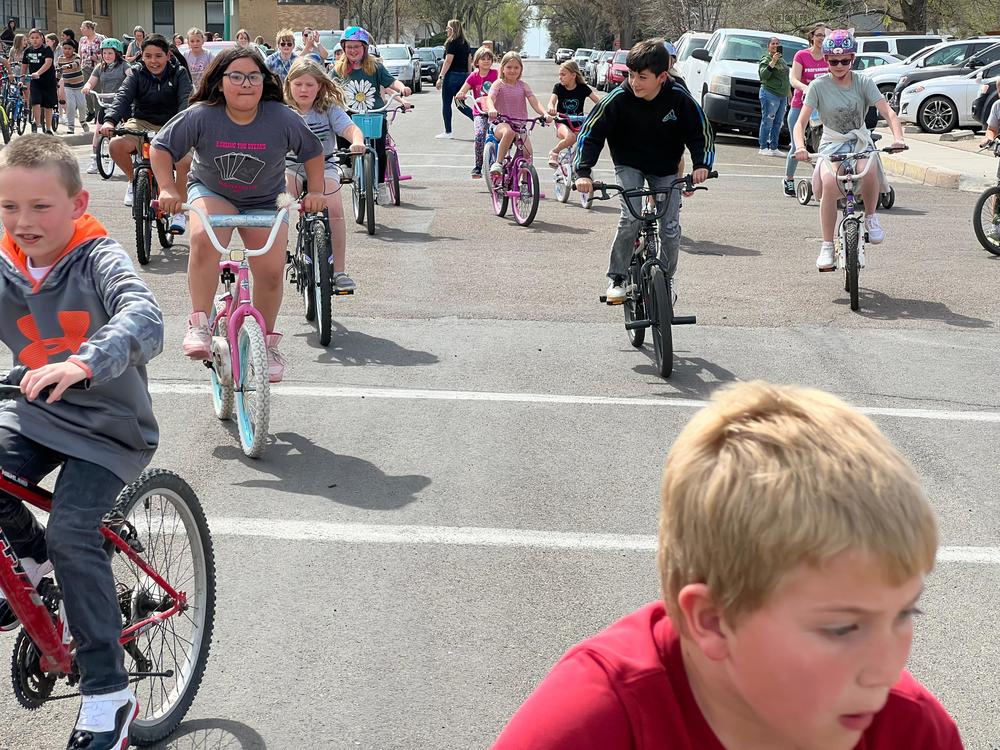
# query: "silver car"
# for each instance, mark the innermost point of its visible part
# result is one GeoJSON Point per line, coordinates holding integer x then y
{"type": "Point", "coordinates": [402, 61]}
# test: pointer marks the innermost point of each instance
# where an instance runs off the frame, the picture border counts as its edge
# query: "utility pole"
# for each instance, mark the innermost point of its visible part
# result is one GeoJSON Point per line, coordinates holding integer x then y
{"type": "Point", "coordinates": [397, 21]}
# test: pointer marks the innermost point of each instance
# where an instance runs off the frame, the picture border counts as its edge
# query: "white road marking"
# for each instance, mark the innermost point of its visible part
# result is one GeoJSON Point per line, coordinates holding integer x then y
{"type": "Point", "coordinates": [471, 536]}
{"type": "Point", "coordinates": [418, 394]}
{"type": "Point", "coordinates": [407, 167]}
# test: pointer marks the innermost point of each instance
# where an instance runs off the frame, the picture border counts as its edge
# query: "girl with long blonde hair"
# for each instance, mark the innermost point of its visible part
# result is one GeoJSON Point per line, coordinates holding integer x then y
{"type": "Point", "coordinates": [510, 97]}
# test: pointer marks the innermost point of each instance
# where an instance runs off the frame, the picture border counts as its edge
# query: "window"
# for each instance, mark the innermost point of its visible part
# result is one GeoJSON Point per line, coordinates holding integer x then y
{"type": "Point", "coordinates": [29, 13]}
{"type": "Point", "coordinates": [163, 17]}
{"type": "Point", "coordinates": [951, 55]}
{"type": "Point", "coordinates": [78, 6]}
{"type": "Point", "coordinates": [103, 8]}
{"type": "Point", "coordinates": [215, 17]}
{"type": "Point", "coordinates": [914, 44]}
{"type": "Point", "coordinates": [879, 46]}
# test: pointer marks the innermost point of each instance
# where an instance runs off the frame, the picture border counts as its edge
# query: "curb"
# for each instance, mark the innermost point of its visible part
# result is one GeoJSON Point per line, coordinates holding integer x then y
{"type": "Point", "coordinates": [928, 174]}
{"type": "Point", "coordinates": [77, 139]}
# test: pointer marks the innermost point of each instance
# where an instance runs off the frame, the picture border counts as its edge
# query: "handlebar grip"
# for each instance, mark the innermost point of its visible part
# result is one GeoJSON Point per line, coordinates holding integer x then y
{"type": "Point", "coordinates": [16, 374]}
{"type": "Point", "coordinates": [713, 174]}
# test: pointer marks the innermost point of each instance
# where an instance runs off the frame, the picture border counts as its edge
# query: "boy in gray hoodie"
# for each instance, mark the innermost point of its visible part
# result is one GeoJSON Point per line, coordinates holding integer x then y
{"type": "Point", "coordinates": [73, 308]}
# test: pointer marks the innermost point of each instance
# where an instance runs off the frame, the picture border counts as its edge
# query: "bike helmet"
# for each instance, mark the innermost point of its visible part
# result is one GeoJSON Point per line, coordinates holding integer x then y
{"type": "Point", "coordinates": [356, 34]}
{"type": "Point", "coordinates": [112, 44]}
{"type": "Point", "coordinates": [840, 42]}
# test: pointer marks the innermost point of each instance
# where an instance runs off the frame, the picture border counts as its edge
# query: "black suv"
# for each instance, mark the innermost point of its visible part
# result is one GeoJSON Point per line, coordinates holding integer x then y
{"type": "Point", "coordinates": [430, 63]}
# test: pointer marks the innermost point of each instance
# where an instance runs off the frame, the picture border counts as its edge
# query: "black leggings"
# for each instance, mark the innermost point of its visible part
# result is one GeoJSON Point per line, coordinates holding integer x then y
{"type": "Point", "coordinates": [453, 81]}
{"type": "Point", "coordinates": [379, 149]}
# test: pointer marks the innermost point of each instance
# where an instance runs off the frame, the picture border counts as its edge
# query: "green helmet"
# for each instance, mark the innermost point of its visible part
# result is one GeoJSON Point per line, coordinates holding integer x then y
{"type": "Point", "coordinates": [112, 44]}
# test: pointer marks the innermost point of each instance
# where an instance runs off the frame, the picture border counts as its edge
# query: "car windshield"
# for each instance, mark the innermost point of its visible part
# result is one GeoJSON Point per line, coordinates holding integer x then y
{"type": "Point", "coordinates": [328, 39]}
{"type": "Point", "coordinates": [740, 48]}
{"type": "Point", "coordinates": [395, 53]}
{"type": "Point", "coordinates": [620, 56]}
{"type": "Point", "coordinates": [427, 55]}
{"type": "Point", "coordinates": [582, 52]}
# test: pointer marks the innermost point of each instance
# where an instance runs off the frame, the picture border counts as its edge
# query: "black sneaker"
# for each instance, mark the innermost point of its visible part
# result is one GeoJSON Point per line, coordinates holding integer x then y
{"type": "Point", "coordinates": [91, 116]}
{"type": "Point", "coordinates": [91, 710]}
{"type": "Point", "coordinates": [789, 188]}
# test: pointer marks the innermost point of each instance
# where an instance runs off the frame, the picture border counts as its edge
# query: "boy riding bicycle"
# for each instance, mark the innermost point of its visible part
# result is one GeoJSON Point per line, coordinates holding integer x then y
{"type": "Point", "coordinates": [647, 121]}
{"type": "Point", "coordinates": [72, 308]}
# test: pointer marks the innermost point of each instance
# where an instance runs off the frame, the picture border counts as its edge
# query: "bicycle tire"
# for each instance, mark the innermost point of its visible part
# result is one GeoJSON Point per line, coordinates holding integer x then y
{"type": "Point", "coordinates": [253, 413]}
{"type": "Point", "coordinates": [105, 164]}
{"type": "Point", "coordinates": [323, 285]}
{"type": "Point", "coordinates": [633, 307]}
{"type": "Point", "coordinates": [163, 235]}
{"type": "Point", "coordinates": [222, 390]}
{"type": "Point", "coordinates": [5, 125]}
{"type": "Point", "coordinates": [357, 186]}
{"type": "Point", "coordinates": [985, 215]}
{"type": "Point", "coordinates": [526, 208]}
{"type": "Point", "coordinates": [497, 196]}
{"type": "Point", "coordinates": [140, 213]}
{"type": "Point", "coordinates": [852, 233]}
{"type": "Point", "coordinates": [562, 184]}
{"type": "Point", "coordinates": [662, 315]}
{"type": "Point", "coordinates": [22, 120]}
{"type": "Point", "coordinates": [370, 187]}
{"type": "Point", "coordinates": [161, 710]}
{"type": "Point", "coordinates": [304, 275]}
{"type": "Point", "coordinates": [392, 172]}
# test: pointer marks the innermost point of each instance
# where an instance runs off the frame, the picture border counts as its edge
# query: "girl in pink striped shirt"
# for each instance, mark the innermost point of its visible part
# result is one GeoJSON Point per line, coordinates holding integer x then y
{"type": "Point", "coordinates": [510, 97]}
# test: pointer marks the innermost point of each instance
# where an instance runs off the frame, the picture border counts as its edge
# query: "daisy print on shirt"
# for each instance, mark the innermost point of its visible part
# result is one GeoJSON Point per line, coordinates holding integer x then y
{"type": "Point", "coordinates": [360, 95]}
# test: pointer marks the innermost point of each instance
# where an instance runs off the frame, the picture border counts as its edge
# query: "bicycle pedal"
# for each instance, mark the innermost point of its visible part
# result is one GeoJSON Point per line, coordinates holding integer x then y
{"type": "Point", "coordinates": [827, 270]}
{"type": "Point", "coordinates": [603, 298]}
{"type": "Point", "coordinates": [343, 292]}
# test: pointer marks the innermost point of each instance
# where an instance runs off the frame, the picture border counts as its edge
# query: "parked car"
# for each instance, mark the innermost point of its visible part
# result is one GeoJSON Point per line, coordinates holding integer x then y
{"type": "Point", "coordinates": [430, 63]}
{"type": "Point", "coordinates": [562, 55]}
{"type": "Point", "coordinates": [592, 69]}
{"type": "Point", "coordinates": [603, 66]}
{"type": "Point", "coordinates": [869, 60]}
{"type": "Point", "coordinates": [581, 56]}
{"type": "Point", "coordinates": [589, 65]}
{"type": "Point", "coordinates": [402, 61]}
{"type": "Point", "coordinates": [901, 45]}
{"type": "Point", "coordinates": [982, 59]}
{"type": "Point", "coordinates": [942, 104]}
{"type": "Point", "coordinates": [984, 102]}
{"type": "Point", "coordinates": [688, 42]}
{"type": "Point", "coordinates": [617, 70]}
{"type": "Point", "coordinates": [725, 78]}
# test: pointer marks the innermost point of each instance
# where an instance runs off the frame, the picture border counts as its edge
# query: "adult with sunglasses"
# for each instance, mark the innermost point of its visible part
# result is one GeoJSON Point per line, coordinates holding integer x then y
{"type": "Point", "coordinates": [842, 99]}
{"type": "Point", "coordinates": [280, 61]}
{"type": "Point", "coordinates": [240, 131]}
{"type": "Point", "coordinates": [807, 65]}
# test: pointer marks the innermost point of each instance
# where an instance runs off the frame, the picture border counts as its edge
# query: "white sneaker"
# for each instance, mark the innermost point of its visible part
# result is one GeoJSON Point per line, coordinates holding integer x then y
{"type": "Point", "coordinates": [92, 167]}
{"type": "Point", "coordinates": [826, 261]}
{"type": "Point", "coordinates": [382, 195]}
{"type": "Point", "coordinates": [104, 720]}
{"type": "Point", "coordinates": [616, 291]}
{"type": "Point", "coordinates": [85, 126]}
{"type": "Point", "coordinates": [875, 232]}
{"type": "Point", "coordinates": [764, 152]}
{"type": "Point", "coordinates": [178, 223]}
{"type": "Point", "coordinates": [128, 195]}
{"type": "Point", "coordinates": [777, 152]}
{"type": "Point", "coordinates": [442, 136]}
{"type": "Point", "coordinates": [35, 573]}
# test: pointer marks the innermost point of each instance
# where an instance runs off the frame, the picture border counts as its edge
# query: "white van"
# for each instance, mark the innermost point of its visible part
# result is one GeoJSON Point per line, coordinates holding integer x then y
{"type": "Point", "coordinates": [900, 45]}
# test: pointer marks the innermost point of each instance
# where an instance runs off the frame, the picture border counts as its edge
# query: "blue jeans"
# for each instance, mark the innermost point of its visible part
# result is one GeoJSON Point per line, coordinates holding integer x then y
{"type": "Point", "coordinates": [772, 111]}
{"type": "Point", "coordinates": [790, 163]}
{"type": "Point", "coordinates": [669, 229]}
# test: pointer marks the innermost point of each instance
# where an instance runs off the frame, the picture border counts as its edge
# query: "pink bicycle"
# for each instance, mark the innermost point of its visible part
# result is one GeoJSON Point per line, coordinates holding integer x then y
{"type": "Point", "coordinates": [518, 182]}
{"type": "Point", "coordinates": [238, 367]}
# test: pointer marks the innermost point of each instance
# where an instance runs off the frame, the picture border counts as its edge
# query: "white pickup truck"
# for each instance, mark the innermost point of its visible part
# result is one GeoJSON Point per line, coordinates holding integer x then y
{"type": "Point", "coordinates": [724, 75]}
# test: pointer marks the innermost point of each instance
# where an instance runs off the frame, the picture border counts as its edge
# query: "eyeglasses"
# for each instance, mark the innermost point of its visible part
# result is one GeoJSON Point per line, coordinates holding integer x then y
{"type": "Point", "coordinates": [837, 63]}
{"type": "Point", "coordinates": [286, 44]}
{"type": "Point", "coordinates": [238, 79]}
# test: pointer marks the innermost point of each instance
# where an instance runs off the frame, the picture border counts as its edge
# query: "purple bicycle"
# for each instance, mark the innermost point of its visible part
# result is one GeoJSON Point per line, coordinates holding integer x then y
{"type": "Point", "coordinates": [518, 182]}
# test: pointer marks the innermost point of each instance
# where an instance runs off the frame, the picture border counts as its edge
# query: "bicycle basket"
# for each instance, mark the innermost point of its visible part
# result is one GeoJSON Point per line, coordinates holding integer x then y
{"type": "Point", "coordinates": [370, 124]}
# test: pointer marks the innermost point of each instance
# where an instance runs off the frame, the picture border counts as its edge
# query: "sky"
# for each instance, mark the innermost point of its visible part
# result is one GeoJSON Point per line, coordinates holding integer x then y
{"type": "Point", "coordinates": [536, 40]}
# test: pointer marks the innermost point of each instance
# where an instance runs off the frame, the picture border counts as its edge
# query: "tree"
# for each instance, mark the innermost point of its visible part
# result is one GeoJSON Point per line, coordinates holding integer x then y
{"type": "Point", "coordinates": [576, 23]}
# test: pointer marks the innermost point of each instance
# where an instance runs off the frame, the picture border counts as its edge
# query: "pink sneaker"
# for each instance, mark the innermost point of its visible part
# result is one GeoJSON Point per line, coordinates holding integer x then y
{"type": "Point", "coordinates": [198, 339]}
{"type": "Point", "coordinates": [275, 360]}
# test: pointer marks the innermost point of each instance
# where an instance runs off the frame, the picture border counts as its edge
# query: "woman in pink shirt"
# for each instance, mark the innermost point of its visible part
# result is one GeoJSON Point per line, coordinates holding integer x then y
{"type": "Point", "coordinates": [807, 65]}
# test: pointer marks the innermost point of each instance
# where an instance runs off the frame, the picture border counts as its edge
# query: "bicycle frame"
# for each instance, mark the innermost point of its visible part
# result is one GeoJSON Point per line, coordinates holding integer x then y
{"type": "Point", "coordinates": [390, 144]}
{"type": "Point", "coordinates": [516, 155]}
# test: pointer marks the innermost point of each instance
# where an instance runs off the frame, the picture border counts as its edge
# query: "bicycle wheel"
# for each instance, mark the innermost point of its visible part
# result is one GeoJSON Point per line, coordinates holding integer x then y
{"type": "Point", "coordinates": [323, 284]}
{"type": "Point", "coordinates": [662, 315]}
{"type": "Point", "coordinates": [357, 190]}
{"type": "Point", "coordinates": [986, 220]}
{"type": "Point", "coordinates": [304, 275]}
{"type": "Point", "coordinates": [633, 308]}
{"type": "Point", "coordinates": [141, 214]}
{"type": "Point", "coordinates": [160, 515]}
{"type": "Point", "coordinates": [221, 373]}
{"type": "Point", "coordinates": [22, 120]}
{"type": "Point", "coordinates": [370, 177]}
{"type": "Point", "coordinates": [163, 234]}
{"type": "Point", "coordinates": [562, 183]}
{"type": "Point", "coordinates": [253, 396]}
{"type": "Point", "coordinates": [852, 230]}
{"type": "Point", "coordinates": [497, 194]}
{"type": "Point", "coordinates": [5, 125]}
{"type": "Point", "coordinates": [392, 175]}
{"type": "Point", "coordinates": [526, 204]}
{"type": "Point", "coordinates": [105, 164]}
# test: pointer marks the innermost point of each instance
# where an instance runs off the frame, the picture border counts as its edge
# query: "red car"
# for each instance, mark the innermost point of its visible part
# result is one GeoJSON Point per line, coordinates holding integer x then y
{"type": "Point", "coordinates": [618, 71]}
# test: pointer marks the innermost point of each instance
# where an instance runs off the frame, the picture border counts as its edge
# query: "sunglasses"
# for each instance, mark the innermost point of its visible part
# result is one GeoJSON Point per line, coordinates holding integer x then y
{"type": "Point", "coordinates": [837, 63]}
{"type": "Point", "coordinates": [286, 44]}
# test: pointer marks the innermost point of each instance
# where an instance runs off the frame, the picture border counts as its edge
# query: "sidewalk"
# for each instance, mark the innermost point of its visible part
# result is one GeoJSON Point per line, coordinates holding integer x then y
{"type": "Point", "coordinates": [958, 165]}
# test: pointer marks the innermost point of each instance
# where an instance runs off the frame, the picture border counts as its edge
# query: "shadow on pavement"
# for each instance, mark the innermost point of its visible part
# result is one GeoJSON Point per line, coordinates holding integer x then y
{"type": "Point", "coordinates": [692, 376]}
{"type": "Point", "coordinates": [394, 234]}
{"type": "Point", "coordinates": [165, 261]}
{"type": "Point", "coordinates": [354, 349]}
{"type": "Point", "coordinates": [544, 226]}
{"type": "Point", "coordinates": [879, 306]}
{"type": "Point", "coordinates": [301, 467]}
{"type": "Point", "coordinates": [213, 734]}
{"type": "Point", "coordinates": [707, 247]}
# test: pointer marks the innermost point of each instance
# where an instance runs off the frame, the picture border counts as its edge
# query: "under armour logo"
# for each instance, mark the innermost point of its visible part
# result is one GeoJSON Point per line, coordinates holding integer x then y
{"type": "Point", "coordinates": [74, 325]}
{"type": "Point", "coordinates": [670, 116]}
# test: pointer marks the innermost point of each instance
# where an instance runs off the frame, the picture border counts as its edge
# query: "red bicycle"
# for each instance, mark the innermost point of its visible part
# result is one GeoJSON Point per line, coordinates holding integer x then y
{"type": "Point", "coordinates": [164, 567]}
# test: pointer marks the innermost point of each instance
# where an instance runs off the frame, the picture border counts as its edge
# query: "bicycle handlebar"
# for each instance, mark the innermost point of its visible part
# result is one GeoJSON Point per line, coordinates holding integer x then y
{"type": "Point", "coordinates": [519, 123]}
{"type": "Point", "coordinates": [686, 183]}
{"type": "Point", "coordinates": [837, 158]}
{"type": "Point", "coordinates": [273, 220]}
{"type": "Point", "coordinates": [10, 383]}
{"type": "Point", "coordinates": [129, 131]}
{"type": "Point", "coordinates": [993, 145]}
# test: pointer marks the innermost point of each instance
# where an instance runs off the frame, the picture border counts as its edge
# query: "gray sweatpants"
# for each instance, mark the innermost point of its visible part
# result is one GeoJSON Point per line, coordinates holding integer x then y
{"type": "Point", "coordinates": [76, 102]}
{"type": "Point", "coordinates": [84, 493]}
{"type": "Point", "coordinates": [669, 229]}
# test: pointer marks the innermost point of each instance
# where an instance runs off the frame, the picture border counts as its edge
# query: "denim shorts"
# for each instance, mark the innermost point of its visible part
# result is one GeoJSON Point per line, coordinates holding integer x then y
{"type": "Point", "coordinates": [197, 190]}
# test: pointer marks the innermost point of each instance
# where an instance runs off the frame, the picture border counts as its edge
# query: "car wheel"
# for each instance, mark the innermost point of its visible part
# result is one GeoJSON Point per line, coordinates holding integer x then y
{"type": "Point", "coordinates": [889, 92]}
{"type": "Point", "coordinates": [937, 114]}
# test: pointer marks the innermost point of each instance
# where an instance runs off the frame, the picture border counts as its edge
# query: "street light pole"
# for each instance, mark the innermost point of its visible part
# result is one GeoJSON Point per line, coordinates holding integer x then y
{"type": "Point", "coordinates": [397, 21]}
{"type": "Point", "coordinates": [227, 13]}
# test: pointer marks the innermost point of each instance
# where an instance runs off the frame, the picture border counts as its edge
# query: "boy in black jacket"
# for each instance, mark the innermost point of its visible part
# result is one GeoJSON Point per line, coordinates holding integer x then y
{"type": "Point", "coordinates": [647, 121]}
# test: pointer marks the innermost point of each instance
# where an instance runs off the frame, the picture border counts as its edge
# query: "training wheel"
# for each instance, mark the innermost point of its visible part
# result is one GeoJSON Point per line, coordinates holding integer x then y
{"type": "Point", "coordinates": [804, 191]}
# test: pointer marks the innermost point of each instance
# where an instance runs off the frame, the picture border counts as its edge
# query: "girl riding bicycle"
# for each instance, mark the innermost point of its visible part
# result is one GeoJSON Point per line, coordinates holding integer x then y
{"type": "Point", "coordinates": [240, 130]}
{"type": "Point", "coordinates": [106, 78]}
{"type": "Point", "coordinates": [842, 99]}
{"type": "Point", "coordinates": [320, 101]}
{"type": "Point", "coordinates": [479, 82]}
{"type": "Point", "coordinates": [508, 97]}
{"type": "Point", "coordinates": [568, 98]}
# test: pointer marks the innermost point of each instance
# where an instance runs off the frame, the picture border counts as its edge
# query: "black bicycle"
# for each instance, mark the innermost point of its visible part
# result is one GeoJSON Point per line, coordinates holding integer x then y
{"type": "Point", "coordinates": [144, 192]}
{"type": "Point", "coordinates": [986, 216]}
{"type": "Point", "coordinates": [648, 302]}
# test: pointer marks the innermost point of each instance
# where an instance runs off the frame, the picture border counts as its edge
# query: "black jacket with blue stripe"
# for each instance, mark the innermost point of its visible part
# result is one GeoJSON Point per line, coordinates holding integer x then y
{"type": "Point", "coordinates": [647, 135]}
